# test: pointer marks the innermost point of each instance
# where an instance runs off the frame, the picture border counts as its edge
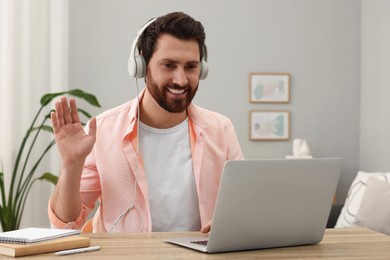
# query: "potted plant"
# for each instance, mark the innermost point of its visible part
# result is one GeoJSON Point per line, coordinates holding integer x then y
{"type": "Point", "coordinates": [23, 177]}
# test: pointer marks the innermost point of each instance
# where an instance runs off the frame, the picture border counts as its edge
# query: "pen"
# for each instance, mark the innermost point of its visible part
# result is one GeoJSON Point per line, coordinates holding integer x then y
{"type": "Point", "coordinates": [78, 250]}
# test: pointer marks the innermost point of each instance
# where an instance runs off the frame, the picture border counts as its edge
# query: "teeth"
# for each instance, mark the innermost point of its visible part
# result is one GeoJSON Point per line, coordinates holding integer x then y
{"type": "Point", "coordinates": [176, 91]}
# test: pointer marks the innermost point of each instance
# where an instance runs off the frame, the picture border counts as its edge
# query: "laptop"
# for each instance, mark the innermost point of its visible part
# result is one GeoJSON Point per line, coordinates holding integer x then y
{"type": "Point", "coordinates": [270, 203]}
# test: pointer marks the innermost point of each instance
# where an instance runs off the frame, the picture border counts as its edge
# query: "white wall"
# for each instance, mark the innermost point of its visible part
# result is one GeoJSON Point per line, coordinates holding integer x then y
{"type": "Point", "coordinates": [316, 41]}
{"type": "Point", "coordinates": [375, 84]}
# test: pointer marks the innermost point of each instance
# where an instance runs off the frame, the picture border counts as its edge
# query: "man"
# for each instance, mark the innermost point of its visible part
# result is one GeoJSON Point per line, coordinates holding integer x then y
{"type": "Point", "coordinates": [158, 173]}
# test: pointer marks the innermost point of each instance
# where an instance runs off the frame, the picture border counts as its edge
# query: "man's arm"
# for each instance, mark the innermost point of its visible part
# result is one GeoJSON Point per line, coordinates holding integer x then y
{"type": "Point", "coordinates": [74, 146]}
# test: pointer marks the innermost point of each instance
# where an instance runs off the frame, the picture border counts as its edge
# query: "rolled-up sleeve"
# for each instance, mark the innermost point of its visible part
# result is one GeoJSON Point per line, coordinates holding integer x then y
{"type": "Point", "coordinates": [89, 191]}
{"type": "Point", "coordinates": [56, 222]}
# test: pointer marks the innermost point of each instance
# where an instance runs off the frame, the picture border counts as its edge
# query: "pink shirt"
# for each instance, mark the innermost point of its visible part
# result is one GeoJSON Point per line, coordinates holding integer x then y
{"type": "Point", "coordinates": [110, 174]}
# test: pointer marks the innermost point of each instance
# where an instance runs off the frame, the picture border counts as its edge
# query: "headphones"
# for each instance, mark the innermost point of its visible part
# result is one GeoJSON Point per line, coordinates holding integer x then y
{"type": "Point", "coordinates": [137, 65]}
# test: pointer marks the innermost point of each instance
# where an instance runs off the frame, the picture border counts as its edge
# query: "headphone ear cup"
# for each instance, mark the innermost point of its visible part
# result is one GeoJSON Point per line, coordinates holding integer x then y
{"type": "Point", "coordinates": [140, 66]}
{"type": "Point", "coordinates": [204, 69]}
{"type": "Point", "coordinates": [132, 66]}
{"type": "Point", "coordinates": [136, 66]}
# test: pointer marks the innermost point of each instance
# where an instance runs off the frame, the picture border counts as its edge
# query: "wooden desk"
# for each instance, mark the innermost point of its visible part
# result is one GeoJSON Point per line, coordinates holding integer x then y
{"type": "Point", "coordinates": [337, 243]}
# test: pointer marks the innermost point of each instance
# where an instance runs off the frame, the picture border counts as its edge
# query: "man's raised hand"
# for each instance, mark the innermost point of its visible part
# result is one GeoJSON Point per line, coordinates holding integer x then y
{"type": "Point", "coordinates": [73, 143]}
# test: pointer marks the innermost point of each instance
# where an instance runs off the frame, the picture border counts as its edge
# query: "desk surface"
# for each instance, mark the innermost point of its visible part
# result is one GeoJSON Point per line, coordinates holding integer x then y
{"type": "Point", "coordinates": [337, 243]}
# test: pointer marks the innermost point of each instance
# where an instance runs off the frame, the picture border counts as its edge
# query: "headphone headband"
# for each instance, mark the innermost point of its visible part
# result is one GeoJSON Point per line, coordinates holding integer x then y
{"type": "Point", "coordinates": [136, 64]}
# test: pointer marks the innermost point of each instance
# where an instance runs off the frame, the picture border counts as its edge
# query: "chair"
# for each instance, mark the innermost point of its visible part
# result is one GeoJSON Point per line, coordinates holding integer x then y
{"type": "Point", "coordinates": [333, 215]}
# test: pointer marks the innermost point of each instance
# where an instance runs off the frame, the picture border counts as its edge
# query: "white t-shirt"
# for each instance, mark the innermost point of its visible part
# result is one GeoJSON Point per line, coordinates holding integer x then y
{"type": "Point", "coordinates": [168, 169]}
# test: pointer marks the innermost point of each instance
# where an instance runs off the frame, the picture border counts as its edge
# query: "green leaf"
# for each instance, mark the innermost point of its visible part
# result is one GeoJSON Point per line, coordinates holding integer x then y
{"type": "Point", "coordinates": [48, 116]}
{"type": "Point", "coordinates": [47, 176]}
{"type": "Point", "coordinates": [47, 98]}
{"type": "Point", "coordinates": [2, 218]}
{"type": "Point", "coordinates": [2, 189]}
{"type": "Point", "coordinates": [85, 113]}
{"type": "Point", "coordinates": [91, 99]}
{"type": "Point", "coordinates": [44, 127]}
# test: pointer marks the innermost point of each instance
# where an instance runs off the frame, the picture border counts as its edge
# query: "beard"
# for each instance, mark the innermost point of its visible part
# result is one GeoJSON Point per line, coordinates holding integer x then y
{"type": "Point", "coordinates": [163, 97]}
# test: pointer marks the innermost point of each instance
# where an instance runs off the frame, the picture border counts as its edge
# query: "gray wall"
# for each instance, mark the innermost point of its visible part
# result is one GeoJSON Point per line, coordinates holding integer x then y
{"type": "Point", "coordinates": [375, 82]}
{"type": "Point", "coordinates": [316, 41]}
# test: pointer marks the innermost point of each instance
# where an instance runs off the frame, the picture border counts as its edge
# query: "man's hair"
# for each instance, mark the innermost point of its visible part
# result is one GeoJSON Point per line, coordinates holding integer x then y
{"type": "Point", "coordinates": [177, 24]}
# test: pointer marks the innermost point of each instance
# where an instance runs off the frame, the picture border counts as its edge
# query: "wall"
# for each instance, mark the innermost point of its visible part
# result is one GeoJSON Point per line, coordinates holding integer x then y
{"type": "Point", "coordinates": [316, 41]}
{"type": "Point", "coordinates": [375, 105]}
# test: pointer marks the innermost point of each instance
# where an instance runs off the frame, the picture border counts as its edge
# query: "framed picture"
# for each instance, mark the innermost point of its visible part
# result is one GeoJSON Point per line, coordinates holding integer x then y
{"type": "Point", "coordinates": [269, 125]}
{"type": "Point", "coordinates": [269, 87]}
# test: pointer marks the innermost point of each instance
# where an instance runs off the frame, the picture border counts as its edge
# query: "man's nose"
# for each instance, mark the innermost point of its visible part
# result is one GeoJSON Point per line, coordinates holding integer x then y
{"type": "Point", "coordinates": [180, 77]}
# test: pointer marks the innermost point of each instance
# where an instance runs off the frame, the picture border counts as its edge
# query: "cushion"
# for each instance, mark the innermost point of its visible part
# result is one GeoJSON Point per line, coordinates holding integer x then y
{"type": "Point", "coordinates": [374, 210]}
{"type": "Point", "coordinates": [352, 203]}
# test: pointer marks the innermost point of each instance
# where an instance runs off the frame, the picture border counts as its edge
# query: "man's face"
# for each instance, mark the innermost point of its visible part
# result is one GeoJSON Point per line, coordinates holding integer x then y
{"type": "Point", "coordinates": [172, 75]}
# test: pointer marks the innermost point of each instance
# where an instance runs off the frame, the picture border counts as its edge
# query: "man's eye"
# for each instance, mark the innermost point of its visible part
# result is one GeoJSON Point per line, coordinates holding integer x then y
{"type": "Point", "coordinates": [192, 66]}
{"type": "Point", "coordinates": [169, 65]}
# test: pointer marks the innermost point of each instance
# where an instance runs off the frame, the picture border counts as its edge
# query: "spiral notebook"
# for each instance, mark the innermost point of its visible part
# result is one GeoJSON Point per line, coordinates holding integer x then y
{"type": "Point", "coordinates": [34, 235]}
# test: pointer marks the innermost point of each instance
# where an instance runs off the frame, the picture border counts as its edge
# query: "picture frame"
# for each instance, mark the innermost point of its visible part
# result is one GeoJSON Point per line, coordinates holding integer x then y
{"type": "Point", "coordinates": [269, 125]}
{"type": "Point", "coordinates": [269, 87]}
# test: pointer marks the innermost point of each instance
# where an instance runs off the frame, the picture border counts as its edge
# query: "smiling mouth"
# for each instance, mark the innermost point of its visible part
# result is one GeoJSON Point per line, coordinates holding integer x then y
{"type": "Point", "coordinates": [176, 91]}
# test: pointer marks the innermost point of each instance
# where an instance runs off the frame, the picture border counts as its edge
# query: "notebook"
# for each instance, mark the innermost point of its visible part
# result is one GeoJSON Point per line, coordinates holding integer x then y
{"type": "Point", "coordinates": [52, 245]}
{"type": "Point", "coordinates": [270, 203]}
{"type": "Point", "coordinates": [34, 235]}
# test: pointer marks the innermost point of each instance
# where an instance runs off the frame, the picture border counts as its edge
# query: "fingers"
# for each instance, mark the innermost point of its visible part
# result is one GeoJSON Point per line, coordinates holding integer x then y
{"type": "Point", "coordinates": [54, 122]}
{"type": "Point", "coordinates": [206, 228]}
{"type": "Point", "coordinates": [73, 111]}
{"type": "Point", "coordinates": [59, 114]}
{"type": "Point", "coordinates": [92, 127]}
{"type": "Point", "coordinates": [66, 111]}
{"type": "Point", "coordinates": [65, 114]}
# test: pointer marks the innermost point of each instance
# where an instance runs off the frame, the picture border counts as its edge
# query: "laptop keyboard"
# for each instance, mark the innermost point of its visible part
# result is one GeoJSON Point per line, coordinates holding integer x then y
{"type": "Point", "coordinates": [201, 242]}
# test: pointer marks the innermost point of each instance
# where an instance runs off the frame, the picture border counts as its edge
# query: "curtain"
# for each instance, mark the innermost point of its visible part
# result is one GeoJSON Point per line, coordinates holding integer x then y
{"type": "Point", "coordinates": [34, 61]}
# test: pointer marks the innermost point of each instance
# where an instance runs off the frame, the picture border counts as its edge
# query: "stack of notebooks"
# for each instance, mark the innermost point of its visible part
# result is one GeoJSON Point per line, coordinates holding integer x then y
{"type": "Point", "coordinates": [30, 241]}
